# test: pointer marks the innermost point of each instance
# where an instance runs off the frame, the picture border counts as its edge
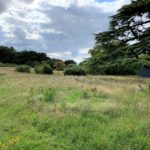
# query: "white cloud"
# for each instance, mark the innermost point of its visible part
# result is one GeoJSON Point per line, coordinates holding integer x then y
{"type": "Point", "coordinates": [84, 50]}
{"type": "Point", "coordinates": [62, 28]}
{"type": "Point", "coordinates": [111, 6]}
{"type": "Point", "coordinates": [67, 55]}
{"type": "Point", "coordinates": [60, 55]}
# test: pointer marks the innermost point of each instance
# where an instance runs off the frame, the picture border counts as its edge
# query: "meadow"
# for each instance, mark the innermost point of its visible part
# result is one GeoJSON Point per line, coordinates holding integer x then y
{"type": "Point", "coordinates": [56, 112]}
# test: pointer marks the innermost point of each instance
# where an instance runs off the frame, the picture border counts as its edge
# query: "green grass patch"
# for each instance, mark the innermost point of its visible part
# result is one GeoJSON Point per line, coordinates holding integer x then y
{"type": "Point", "coordinates": [55, 112]}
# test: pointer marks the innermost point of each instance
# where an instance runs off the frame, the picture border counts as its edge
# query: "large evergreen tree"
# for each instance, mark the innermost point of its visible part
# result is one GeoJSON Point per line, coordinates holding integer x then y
{"type": "Point", "coordinates": [127, 39]}
{"type": "Point", "coordinates": [132, 24]}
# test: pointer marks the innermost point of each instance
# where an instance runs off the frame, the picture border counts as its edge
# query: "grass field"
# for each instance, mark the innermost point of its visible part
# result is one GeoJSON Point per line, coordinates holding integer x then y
{"type": "Point", "coordinates": [55, 112]}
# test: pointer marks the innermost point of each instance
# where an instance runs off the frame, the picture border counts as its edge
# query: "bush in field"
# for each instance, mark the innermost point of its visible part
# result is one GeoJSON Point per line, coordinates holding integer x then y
{"type": "Point", "coordinates": [23, 68]}
{"type": "Point", "coordinates": [75, 71]}
{"type": "Point", "coordinates": [32, 63]}
{"type": "Point", "coordinates": [44, 69]}
{"type": "Point", "coordinates": [58, 65]}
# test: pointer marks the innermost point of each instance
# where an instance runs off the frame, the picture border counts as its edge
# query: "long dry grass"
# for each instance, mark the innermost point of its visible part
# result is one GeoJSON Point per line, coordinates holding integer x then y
{"type": "Point", "coordinates": [87, 113]}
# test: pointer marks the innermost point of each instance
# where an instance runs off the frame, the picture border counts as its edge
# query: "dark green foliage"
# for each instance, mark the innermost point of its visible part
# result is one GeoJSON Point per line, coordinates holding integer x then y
{"type": "Point", "coordinates": [68, 62]}
{"type": "Point", "coordinates": [75, 71]}
{"type": "Point", "coordinates": [7, 55]}
{"type": "Point", "coordinates": [44, 69]}
{"type": "Point", "coordinates": [112, 53]}
{"type": "Point", "coordinates": [128, 66]}
{"type": "Point", "coordinates": [49, 62]}
{"type": "Point", "coordinates": [23, 68]}
{"type": "Point", "coordinates": [31, 58]}
{"type": "Point", "coordinates": [125, 67]}
{"type": "Point", "coordinates": [126, 26]}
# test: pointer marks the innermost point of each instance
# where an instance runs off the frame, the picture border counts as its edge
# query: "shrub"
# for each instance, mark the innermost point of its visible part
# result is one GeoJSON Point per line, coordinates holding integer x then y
{"type": "Point", "coordinates": [44, 69]}
{"type": "Point", "coordinates": [58, 65]}
{"type": "Point", "coordinates": [32, 63]}
{"type": "Point", "coordinates": [23, 68]}
{"type": "Point", "coordinates": [75, 71]}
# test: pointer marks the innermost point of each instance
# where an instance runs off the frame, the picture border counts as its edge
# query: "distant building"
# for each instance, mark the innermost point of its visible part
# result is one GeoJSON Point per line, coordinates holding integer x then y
{"type": "Point", "coordinates": [145, 71]}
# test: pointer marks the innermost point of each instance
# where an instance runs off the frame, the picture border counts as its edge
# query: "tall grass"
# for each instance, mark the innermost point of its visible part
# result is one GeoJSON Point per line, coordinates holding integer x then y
{"type": "Point", "coordinates": [49, 96]}
{"type": "Point", "coordinates": [92, 113]}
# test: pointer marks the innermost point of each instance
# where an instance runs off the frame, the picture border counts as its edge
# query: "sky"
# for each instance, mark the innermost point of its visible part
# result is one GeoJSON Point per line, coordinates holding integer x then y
{"type": "Point", "coordinates": [63, 29]}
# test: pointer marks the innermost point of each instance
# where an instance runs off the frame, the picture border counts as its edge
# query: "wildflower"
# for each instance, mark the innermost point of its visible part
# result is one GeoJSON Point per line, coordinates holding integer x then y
{"type": "Point", "coordinates": [14, 140]}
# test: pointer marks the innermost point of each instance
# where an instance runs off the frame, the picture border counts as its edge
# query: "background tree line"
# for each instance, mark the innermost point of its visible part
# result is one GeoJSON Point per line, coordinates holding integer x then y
{"type": "Point", "coordinates": [10, 56]}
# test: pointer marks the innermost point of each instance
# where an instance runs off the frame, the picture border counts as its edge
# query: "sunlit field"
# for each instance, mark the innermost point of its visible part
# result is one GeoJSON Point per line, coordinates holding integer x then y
{"type": "Point", "coordinates": [56, 112]}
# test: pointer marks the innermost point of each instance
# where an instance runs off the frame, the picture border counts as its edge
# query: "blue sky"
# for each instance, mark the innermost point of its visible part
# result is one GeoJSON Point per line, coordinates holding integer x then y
{"type": "Point", "coordinates": [61, 28]}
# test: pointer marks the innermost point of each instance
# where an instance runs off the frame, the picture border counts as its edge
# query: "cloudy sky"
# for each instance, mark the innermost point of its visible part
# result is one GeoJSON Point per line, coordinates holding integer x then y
{"type": "Point", "coordinates": [61, 28]}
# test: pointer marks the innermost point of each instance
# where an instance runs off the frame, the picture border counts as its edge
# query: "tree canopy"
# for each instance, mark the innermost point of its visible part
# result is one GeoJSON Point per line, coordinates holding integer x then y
{"type": "Point", "coordinates": [127, 39]}
{"type": "Point", "coordinates": [31, 58]}
{"type": "Point", "coordinates": [10, 55]}
{"type": "Point", "coordinates": [68, 62]}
